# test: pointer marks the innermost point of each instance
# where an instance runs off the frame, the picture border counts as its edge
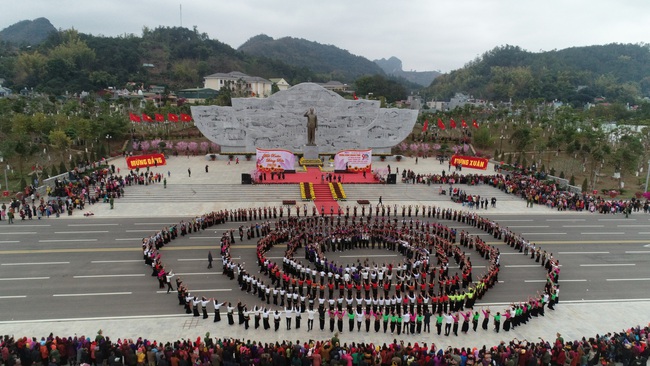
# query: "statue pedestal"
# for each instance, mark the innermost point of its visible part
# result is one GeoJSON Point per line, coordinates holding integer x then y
{"type": "Point", "coordinates": [310, 152]}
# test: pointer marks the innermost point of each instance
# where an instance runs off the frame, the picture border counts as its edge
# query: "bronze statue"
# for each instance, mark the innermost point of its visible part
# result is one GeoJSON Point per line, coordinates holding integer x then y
{"type": "Point", "coordinates": [312, 126]}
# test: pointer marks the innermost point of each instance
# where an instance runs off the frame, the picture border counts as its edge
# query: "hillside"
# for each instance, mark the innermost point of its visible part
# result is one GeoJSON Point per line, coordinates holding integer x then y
{"type": "Point", "coordinates": [327, 61]}
{"type": "Point", "coordinates": [617, 72]}
{"type": "Point", "coordinates": [393, 67]}
{"type": "Point", "coordinates": [30, 32]}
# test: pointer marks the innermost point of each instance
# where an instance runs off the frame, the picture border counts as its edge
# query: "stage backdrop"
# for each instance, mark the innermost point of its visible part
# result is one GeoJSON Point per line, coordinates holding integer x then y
{"type": "Point", "coordinates": [469, 162]}
{"type": "Point", "coordinates": [353, 160]}
{"type": "Point", "coordinates": [143, 161]}
{"type": "Point", "coordinates": [275, 160]}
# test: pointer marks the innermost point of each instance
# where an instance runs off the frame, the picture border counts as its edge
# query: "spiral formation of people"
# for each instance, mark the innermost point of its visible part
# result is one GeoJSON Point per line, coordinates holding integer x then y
{"type": "Point", "coordinates": [433, 282]}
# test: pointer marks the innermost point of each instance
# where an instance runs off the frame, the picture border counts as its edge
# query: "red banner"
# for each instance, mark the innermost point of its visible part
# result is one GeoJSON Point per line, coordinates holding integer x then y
{"type": "Point", "coordinates": [143, 161]}
{"type": "Point", "coordinates": [469, 162]}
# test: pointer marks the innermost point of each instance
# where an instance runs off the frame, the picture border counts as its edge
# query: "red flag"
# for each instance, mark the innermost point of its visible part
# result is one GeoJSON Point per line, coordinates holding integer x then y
{"type": "Point", "coordinates": [159, 117]}
{"type": "Point", "coordinates": [452, 123]}
{"type": "Point", "coordinates": [172, 117]}
{"type": "Point", "coordinates": [354, 95]}
{"type": "Point", "coordinates": [186, 117]}
{"type": "Point", "coordinates": [440, 124]}
{"type": "Point", "coordinates": [426, 125]}
{"type": "Point", "coordinates": [134, 117]}
{"type": "Point", "coordinates": [474, 123]}
{"type": "Point", "coordinates": [463, 123]}
{"type": "Point", "coordinates": [146, 118]}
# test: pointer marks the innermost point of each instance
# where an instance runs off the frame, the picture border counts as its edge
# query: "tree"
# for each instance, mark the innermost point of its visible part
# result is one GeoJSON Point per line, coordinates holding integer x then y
{"type": "Point", "coordinates": [521, 138]}
{"type": "Point", "coordinates": [482, 138]}
{"type": "Point", "coordinates": [60, 140]}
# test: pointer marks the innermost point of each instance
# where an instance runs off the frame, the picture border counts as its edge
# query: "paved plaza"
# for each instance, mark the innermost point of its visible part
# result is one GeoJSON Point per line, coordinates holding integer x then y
{"type": "Point", "coordinates": [220, 188]}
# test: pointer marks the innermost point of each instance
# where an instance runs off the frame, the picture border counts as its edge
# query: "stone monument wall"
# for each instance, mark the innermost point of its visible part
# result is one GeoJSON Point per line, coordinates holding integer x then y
{"type": "Point", "coordinates": [279, 122]}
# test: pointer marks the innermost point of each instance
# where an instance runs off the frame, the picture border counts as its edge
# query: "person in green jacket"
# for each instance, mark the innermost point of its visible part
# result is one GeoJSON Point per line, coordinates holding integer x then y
{"type": "Point", "coordinates": [497, 322]}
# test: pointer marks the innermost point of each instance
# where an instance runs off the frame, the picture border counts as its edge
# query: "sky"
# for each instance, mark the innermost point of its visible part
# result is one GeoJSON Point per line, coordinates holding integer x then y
{"type": "Point", "coordinates": [426, 35]}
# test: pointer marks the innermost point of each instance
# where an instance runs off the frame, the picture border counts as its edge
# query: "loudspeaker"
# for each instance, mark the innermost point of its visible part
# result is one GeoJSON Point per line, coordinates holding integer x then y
{"type": "Point", "coordinates": [392, 179]}
{"type": "Point", "coordinates": [246, 178]}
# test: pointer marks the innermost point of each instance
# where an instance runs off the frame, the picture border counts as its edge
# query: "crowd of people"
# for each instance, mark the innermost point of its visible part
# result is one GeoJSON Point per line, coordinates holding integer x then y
{"type": "Point", "coordinates": [403, 298]}
{"type": "Point", "coordinates": [629, 347]}
{"type": "Point", "coordinates": [531, 186]}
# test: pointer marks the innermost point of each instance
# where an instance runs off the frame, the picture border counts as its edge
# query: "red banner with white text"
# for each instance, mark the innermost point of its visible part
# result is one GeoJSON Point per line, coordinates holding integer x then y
{"type": "Point", "coordinates": [143, 161]}
{"type": "Point", "coordinates": [469, 162]}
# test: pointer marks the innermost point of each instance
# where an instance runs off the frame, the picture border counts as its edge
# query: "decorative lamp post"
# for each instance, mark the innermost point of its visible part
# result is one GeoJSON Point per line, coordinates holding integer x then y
{"type": "Point", "coordinates": [108, 143]}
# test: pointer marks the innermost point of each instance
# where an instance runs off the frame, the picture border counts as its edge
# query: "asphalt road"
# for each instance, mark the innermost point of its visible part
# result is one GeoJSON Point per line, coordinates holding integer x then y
{"type": "Point", "coordinates": [82, 268]}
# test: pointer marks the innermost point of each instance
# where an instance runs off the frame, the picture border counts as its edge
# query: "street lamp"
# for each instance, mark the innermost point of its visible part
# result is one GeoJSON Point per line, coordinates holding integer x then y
{"type": "Point", "coordinates": [502, 137]}
{"type": "Point", "coordinates": [647, 177]}
{"type": "Point", "coordinates": [7, 168]}
{"type": "Point", "coordinates": [108, 142]}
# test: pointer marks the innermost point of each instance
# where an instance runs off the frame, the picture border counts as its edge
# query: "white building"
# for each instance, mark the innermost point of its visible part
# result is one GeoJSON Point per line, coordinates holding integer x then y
{"type": "Point", "coordinates": [280, 83]}
{"type": "Point", "coordinates": [250, 86]}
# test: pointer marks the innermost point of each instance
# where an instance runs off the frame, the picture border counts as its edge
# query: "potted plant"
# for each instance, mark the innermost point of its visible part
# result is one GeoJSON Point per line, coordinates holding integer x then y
{"type": "Point", "coordinates": [230, 157]}
{"type": "Point", "coordinates": [248, 157]}
{"type": "Point", "coordinates": [382, 158]}
{"type": "Point", "coordinates": [398, 157]}
{"type": "Point", "coordinates": [213, 157]}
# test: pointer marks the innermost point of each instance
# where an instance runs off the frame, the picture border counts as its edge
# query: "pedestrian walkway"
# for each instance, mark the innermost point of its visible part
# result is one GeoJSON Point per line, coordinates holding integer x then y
{"type": "Point", "coordinates": [220, 188]}
{"type": "Point", "coordinates": [573, 321]}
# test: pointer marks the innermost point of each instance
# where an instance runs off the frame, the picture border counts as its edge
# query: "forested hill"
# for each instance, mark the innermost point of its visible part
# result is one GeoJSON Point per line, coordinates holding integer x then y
{"type": "Point", "coordinates": [327, 61]}
{"type": "Point", "coordinates": [617, 72]}
{"type": "Point", "coordinates": [29, 32]}
{"type": "Point", "coordinates": [170, 56]}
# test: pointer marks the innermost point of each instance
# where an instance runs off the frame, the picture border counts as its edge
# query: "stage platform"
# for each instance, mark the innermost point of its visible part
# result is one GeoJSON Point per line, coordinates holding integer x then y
{"type": "Point", "coordinates": [315, 175]}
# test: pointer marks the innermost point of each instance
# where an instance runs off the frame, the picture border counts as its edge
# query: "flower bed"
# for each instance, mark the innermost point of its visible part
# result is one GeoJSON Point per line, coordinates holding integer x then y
{"type": "Point", "coordinates": [363, 202]}
{"type": "Point", "coordinates": [307, 191]}
{"type": "Point", "coordinates": [289, 202]}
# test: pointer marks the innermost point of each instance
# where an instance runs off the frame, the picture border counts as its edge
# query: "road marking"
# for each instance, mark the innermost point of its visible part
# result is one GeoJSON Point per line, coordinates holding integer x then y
{"type": "Point", "coordinates": [155, 223]}
{"type": "Point", "coordinates": [141, 231]}
{"type": "Point", "coordinates": [19, 233]}
{"type": "Point", "coordinates": [203, 259]}
{"type": "Point", "coordinates": [32, 225]}
{"type": "Point", "coordinates": [24, 279]}
{"type": "Point", "coordinates": [563, 220]}
{"type": "Point", "coordinates": [370, 256]}
{"type": "Point", "coordinates": [127, 239]}
{"type": "Point", "coordinates": [540, 281]}
{"type": "Point", "coordinates": [32, 264]}
{"type": "Point", "coordinates": [198, 274]}
{"type": "Point", "coordinates": [644, 232]}
{"type": "Point", "coordinates": [528, 226]}
{"type": "Point", "coordinates": [608, 265]}
{"type": "Point", "coordinates": [81, 232]}
{"type": "Point", "coordinates": [616, 219]}
{"type": "Point", "coordinates": [118, 261]}
{"type": "Point", "coordinates": [523, 266]}
{"type": "Point", "coordinates": [626, 279]}
{"type": "Point", "coordinates": [98, 224]}
{"type": "Point", "coordinates": [64, 240]}
{"type": "Point", "coordinates": [582, 252]}
{"type": "Point", "coordinates": [543, 233]}
{"type": "Point", "coordinates": [602, 233]}
{"type": "Point", "coordinates": [13, 297]}
{"type": "Point", "coordinates": [637, 252]}
{"type": "Point", "coordinates": [632, 225]}
{"type": "Point", "coordinates": [111, 275]}
{"type": "Point", "coordinates": [201, 291]}
{"type": "Point", "coordinates": [516, 220]}
{"type": "Point", "coordinates": [9, 241]}
{"type": "Point", "coordinates": [204, 237]}
{"type": "Point", "coordinates": [94, 294]}
{"type": "Point", "coordinates": [583, 226]}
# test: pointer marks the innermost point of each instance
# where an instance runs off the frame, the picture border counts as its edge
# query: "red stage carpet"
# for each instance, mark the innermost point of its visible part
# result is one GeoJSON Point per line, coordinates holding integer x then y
{"type": "Point", "coordinates": [315, 176]}
{"type": "Point", "coordinates": [324, 199]}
